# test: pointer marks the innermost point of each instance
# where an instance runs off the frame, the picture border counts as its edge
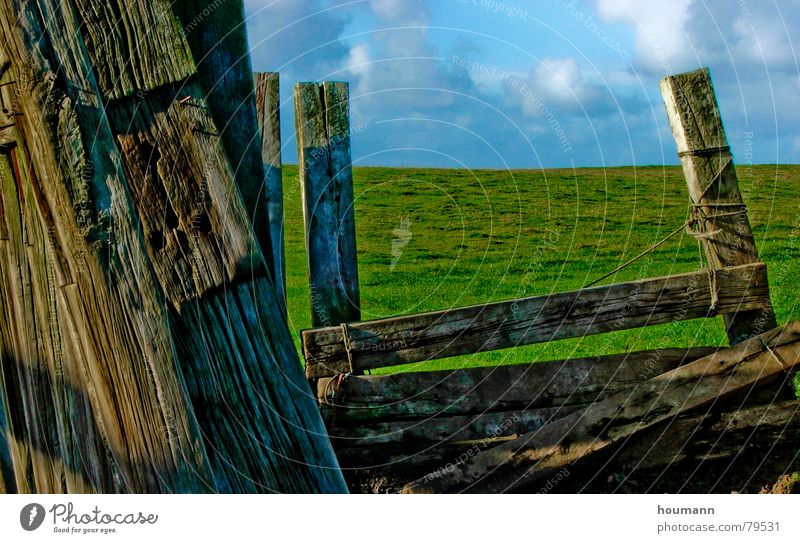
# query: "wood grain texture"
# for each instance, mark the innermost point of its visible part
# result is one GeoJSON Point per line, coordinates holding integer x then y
{"type": "Point", "coordinates": [744, 425]}
{"type": "Point", "coordinates": [416, 436]}
{"type": "Point", "coordinates": [366, 399]}
{"type": "Point", "coordinates": [408, 424]}
{"type": "Point", "coordinates": [93, 373]}
{"type": "Point", "coordinates": [501, 325]}
{"type": "Point", "coordinates": [532, 458]}
{"type": "Point", "coordinates": [241, 371]}
{"type": "Point", "coordinates": [217, 37]}
{"type": "Point", "coordinates": [158, 378]}
{"type": "Point", "coordinates": [269, 120]}
{"type": "Point", "coordinates": [713, 185]}
{"type": "Point", "coordinates": [126, 59]}
{"type": "Point", "coordinates": [712, 435]}
{"type": "Point", "coordinates": [322, 119]}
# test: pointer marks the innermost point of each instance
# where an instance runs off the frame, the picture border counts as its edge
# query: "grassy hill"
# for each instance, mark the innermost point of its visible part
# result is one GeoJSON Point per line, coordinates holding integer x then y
{"type": "Point", "coordinates": [434, 239]}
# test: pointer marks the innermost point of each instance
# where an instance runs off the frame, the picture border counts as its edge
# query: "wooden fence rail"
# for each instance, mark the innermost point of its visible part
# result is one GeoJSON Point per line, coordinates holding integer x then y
{"type": "Point", "coordinates": [365, 399]}
{"type": "Point", "coordinates": [533, 457]}
{"type": "Point", "coordinates": [414, 338]}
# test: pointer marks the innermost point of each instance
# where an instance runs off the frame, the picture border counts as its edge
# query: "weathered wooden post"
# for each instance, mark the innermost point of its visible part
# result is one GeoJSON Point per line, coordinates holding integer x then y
{"type": "Point", "coordinates": [216, 35]}
{"type": "Point", "coordinates": [322, 119]}
{"type": "Point", "coordinates": [141, 338]}
{"type": "Point", "coordinates": [268, 103]}
{"type": "Point", "coordinates": [717, 205]}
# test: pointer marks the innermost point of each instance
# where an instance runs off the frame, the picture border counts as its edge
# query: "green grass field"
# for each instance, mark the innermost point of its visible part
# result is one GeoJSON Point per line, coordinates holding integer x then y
{"type": "Point", "coordinates": [470, 237]}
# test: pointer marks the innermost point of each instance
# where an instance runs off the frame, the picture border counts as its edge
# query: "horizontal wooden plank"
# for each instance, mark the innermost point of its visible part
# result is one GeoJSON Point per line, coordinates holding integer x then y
{"type": "Point", "coordinates": [415, 436]}
{"type": "Point", "coordinates": [501, 325]}
{"type": "Point", "coordinates": [365, 399]}
{"type": "Point", "coordinates": [531, 458]}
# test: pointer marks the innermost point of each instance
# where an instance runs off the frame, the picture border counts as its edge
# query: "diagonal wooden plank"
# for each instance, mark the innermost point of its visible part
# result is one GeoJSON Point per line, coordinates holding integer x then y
{"type": "Point", "coordinates": [576, 437]}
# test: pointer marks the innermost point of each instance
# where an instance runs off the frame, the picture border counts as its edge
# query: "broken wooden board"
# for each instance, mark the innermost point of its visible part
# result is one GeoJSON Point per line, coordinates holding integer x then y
{"type": "Point", "coordinates": [534, 457]}
{"type": "Point", "coordinates": [500, 325]}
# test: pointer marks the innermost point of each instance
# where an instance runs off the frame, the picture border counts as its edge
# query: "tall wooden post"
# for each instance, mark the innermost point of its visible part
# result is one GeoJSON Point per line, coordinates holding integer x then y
{"type": "Point", "coordinates": [322, 118]}
{"type": "Point", "coordinates": [142, 339]}
{"type": "Point", "coordinates": [713, 186]}
{"type": "Point", "coordinates": [268, 103]}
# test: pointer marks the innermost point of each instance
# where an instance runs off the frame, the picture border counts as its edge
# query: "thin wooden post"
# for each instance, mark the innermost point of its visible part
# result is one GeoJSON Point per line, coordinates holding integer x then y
{"type": "Point", "coordinates": [269, 120]}
{"type": "Point", "coordinates": [322, 119]}
{"type": "Point", "coordinates": [718, 208]}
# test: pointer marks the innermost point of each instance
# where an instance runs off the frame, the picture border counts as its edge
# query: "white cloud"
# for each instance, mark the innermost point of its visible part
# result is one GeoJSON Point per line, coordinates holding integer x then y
{"type": "Point", "coordinates": [661, 41]}
{"type": "Point", "coordinates": [298, 37]}
{"type": "Point", "coordinates": [561, 80]}
{"type": "Point", "coordinates": [359, 60]}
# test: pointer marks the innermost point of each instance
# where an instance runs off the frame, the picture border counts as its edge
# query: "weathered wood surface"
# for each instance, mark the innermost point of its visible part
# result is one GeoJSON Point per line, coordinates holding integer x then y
{"type": "Point", "coordinates": [737, 427]}
{"type": "Point", "coordinates": [427, 432]}
{"type": "Point", "coordinates": [712, 435]}
{"type": "Point", "coordinates": [156, 359]}
{"type": "Point", "coordinates": [217, 37]}
{"type": "Point", "coordinates": [322, 119]}
{"type": "Point", "coordinates": [714, 187]}
{"type": "Point", "coordinates": [364, 399]}
{"type": "Point", "coordinates": [268, 104]}
{"type": "Point", "coordinates": [576, 437]}
{"type": "Point", "coordinates": [537, 319]}
{"type": "Point", "coordinates": [425, 418]}
{"type": "Point", "coordinates": [89, 372]}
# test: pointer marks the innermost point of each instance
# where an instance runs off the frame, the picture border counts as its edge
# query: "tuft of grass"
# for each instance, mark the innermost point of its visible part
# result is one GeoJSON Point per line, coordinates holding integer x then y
{"type": "Point", "coordinates": [473, 237]}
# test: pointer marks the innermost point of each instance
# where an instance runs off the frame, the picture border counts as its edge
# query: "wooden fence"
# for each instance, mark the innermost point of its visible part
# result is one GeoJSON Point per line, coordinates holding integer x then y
{"type": "Point", "coordinates": [389, 430]}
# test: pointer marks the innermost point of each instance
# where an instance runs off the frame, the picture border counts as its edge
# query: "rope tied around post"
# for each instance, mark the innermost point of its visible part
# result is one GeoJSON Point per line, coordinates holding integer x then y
{"type": "Point", "coordinates": [348, 345]}
{"type": "Point", "coordinates": [697, 216]}
{"type": "Point", "coordinates": [335, 394]}
{"type": "Point", "coordinates": [714, 289]}
{"type": "Point", "coordinates": [696, 211]}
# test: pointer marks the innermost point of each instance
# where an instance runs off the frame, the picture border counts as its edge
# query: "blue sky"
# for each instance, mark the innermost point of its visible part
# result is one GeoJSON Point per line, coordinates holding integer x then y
{"type": "Point", "coordinates": [535, 83]}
